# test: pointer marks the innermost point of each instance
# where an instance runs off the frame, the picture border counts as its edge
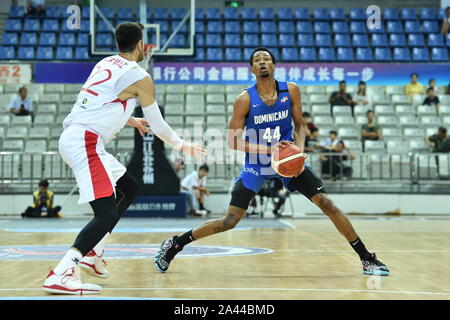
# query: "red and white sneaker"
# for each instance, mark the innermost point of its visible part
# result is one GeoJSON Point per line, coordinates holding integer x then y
{"type": "Point", "coordinates": [69, 283]}
{"type": "Point", "coordinates": [94, 265]}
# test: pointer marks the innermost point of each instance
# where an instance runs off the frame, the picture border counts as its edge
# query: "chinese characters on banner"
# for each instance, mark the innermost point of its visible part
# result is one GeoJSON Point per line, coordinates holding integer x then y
{"type": "Point", "coordinates": [15, 73]}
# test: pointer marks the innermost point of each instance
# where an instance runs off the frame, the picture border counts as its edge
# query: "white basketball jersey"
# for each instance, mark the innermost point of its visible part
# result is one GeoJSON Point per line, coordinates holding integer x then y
{"type": "Point", "coordinates": [98, 106]}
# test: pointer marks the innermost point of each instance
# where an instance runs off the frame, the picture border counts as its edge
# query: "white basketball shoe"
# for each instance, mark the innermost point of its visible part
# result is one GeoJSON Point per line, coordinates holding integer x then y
{"type": "Point", "coordinates": [69, 283]}
{"type": "Point", "coordinates": [94, 265]}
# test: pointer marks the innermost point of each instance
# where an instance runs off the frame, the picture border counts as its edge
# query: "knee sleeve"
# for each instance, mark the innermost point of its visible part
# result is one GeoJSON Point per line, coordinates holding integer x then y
{"type": "Point", "coordinates": [128, 186]}
{"type": "Point", "coordinates": [241, 196]}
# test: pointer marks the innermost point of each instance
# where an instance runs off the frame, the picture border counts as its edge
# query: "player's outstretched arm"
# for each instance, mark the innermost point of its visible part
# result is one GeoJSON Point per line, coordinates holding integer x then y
{"type": "Point", "coordinates": [150, 109]}
{"type": "Point", "coordinates": [297, 115]}
{"type": "Point", "coordinates": [236, 128]}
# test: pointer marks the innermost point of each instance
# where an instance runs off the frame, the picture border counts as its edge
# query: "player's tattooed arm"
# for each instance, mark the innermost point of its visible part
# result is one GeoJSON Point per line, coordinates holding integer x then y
{"type": "Point", "coordinates": [296, 104]}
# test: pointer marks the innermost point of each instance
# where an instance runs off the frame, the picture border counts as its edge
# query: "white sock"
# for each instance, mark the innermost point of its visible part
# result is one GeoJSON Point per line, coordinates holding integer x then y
{"type": "Point", "coordinates": [99, 248]}
{"type": "Point", "coordinates": [71, 259]}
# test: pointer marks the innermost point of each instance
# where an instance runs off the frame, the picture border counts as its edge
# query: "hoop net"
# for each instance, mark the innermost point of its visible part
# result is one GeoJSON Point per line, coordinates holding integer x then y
{"type": "Point", "coordinates": [149, 49]}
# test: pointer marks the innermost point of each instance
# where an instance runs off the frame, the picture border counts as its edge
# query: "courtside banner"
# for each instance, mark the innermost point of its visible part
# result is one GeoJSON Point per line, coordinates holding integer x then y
{"type": "Point", "coordinates": [15, 73]}
{"type": "Point", "coordinates": [240, 73]}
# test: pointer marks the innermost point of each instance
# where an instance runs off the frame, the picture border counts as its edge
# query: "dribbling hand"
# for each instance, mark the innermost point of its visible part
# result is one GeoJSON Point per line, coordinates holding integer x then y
{"type": "Point", "coordinates": [140, 124]}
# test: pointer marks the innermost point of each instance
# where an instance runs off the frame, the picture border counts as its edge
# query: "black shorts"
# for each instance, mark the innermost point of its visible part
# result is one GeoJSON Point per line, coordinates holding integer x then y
{"type": "Point", "coordinates": [307, 184]}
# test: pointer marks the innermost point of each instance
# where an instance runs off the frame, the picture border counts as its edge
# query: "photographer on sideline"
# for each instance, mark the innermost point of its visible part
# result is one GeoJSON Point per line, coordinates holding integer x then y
{"type": "Point", "coordinates": [42, 204]}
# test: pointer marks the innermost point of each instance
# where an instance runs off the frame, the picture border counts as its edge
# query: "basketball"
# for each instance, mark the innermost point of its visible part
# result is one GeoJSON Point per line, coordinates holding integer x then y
{"type": "Point", "coordinates": [288, 160]}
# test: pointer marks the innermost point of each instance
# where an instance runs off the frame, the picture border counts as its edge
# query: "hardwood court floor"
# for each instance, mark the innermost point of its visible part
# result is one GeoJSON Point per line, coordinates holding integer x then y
{"type": "Point", "coordinates": [309, 260]}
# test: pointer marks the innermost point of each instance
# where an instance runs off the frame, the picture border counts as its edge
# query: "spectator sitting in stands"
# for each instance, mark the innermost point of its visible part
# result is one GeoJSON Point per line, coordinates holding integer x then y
{"type": "Point", "coordinates": [307, 121]}
{"type": "Point", "coordinates": [195, 184]}
{"type": "Point", "coordinates": [332, 140]}
{"type": "Point", "coordinates": [371, 130]}
{"type": "Point", "coordinates": [312, 143]}
{"type": "Point", "coordinates": [21, 105]}
{"type": "Point", "coordinates": [431, 99]}
{"type": "Point", "coordinates": [414, 87]}
{"type": "Point", "coordinates": [446, 22]}
{"type": "Point", "coordinates": [42, 203]}
{"type": "Point", "coordinates": [333, 164]}
{"type": "Point", "coordinates": [341, 97]}
{"type": "Point", "coordinates": [439, 142]}
{"type": "Point", "coordinates": [361, 97]}
{"type": "Point", "coordinates": [432, 84]}
{"type": "Point", "coordinates": [36, 8]}
{"type": "Point", "coordinates": [274, 189]}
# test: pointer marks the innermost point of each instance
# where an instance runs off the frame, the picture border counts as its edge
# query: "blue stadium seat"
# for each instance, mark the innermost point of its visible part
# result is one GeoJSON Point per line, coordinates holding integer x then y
{"type": "Point", "coordinates": [50, 25]}
{"type": "Point", "coordinates": [213, 40]}
{"type": "Point", "coordinates": [163, 26]}
{"type": "Point", "coordinates": [379, 40]}
{"type": "Point", "coordinates": [430, 27]}
{"type": "Point", "coordinates": [47, 39]}
{"type": "Point", "coordinates": [420, 54]}
{"type": "Point", "coordinates": [441, 14]}
{"type": "Point", "coordinates": [85, 12]}
{"type": "Point", "coordinates": [397, 40]}
{"type": "Point", "coordinates": [250, 40]}
{"type": "Point", "coordinates": [16, 12]}
{"type": "Point", "coordinates": [31, 25]}
{"type": "Point", "coordinates": [82, 39]}
{"type": "Point", "coordinates": [231, 13]}
{"type": "Point", "coordinates": [435, 40]}
{"type": "Point", "coordinates": [81, 53]}
{"type": "Point", "coordinates": [179, 41]}
{"type": "Point", "coordinates": [28, 39]}
{"type": "Point", "coordinates": [178, 13]}
{"type": "Point", "coordinates": [289, 54]}
{"type": "Point", "coordinates": [126, 14]}
{"type": "Point", "coordinates": [401, 54]}
{"type": "Point", "coordinates": [84, 27]}
{"type": "Point", "coordinates": [379, 30]}
{"type": "Point", "coordinates": [305, 40]}
{"type": "Point", "coordinates": [250, 27]}
{"type": "Point", "coordinates": [68, 39]}
{"type": "Point", "coordinates": [285, 14]}
{"type": "Point", "coordinates": [360, 40]}
{"type": "Point", "coordinates": [321, 14]}
{"type": "Point", "coordinates": [412, 26]}
{"type": "Point", "coordinates": [10, 39]}
{"type": "Point", "coordinates": [339, 27]}
{"type": "Point", "coordinates": [213, 14]}
{"type": "Point", "coordinates": [439, 54]}
{"type": "Point", "coordinates": [357, 27]}
{"type": "Point", "coordinates": [161, 13]}
{"type": "Point", "coordinates": [382, 54]}
{"type": "Point", "coordinates": [53, 12]}
{"type": "Point", "coordinates": [286, 40]}
{"type": "Point", "coordinates": [200, 39]}
{"type": "Point", "coordinates": [408, 14]}
{"type": "Point", "coordinates": [428, 14]}
{"type": "Point", "coordinates": [326, 54]}
{"type": "Point", "coordinates": [44, 53]}
{"type": "Point", "coordinates": [303, 27]}
{"type": "Point", "coordinates": [447, 40]}
{"type": "Point", "coordinates": [247, 52]}
{"type": "Point", "coordinates": [214, 54]}
{"type": "Point", "coordinates": [266, 14]}
{"type": "Point", "coordinates": [301, 14]}
{"type": "Point", "coordinates": [103, 40]}
{"type": "Point", "coordinates": [268, 27]}
{"type": "Point", "coordinates": [199, 26]}
{"type": "Point", "coordinates": [200, 54]}
{"type": "Point", "coordinates": [64, 53]}
{"type": "Point", "coordinates": [286, 27]}
{"type": "Point", "coordinates": [308, 54]}
{"type": "Point", "coordinates": [344, 54]}
{"type": "Point", "coordinates": [342, 40]}
{"type": "Point", "coordinates": [199, 14]}
{"type": "Point", "coordinates": [394, 27]}
{"type": "Point", "coordinates": [358, 14]}
{"type": "Point", "coordinates": [233, 54]}
{"type": "Point", "coordinates": [337, 14]}
{"type": "Point", "coordinates": [364, 54]}
{"type": "Point", "coordinates": [269, 40]}
{"type": "Point", "coordinates": [322, 40]}
{"type": "Point", "coordinates": [321, 27]}
{"type": "Point", "coordinates": [232, 40]}
{"type": "Point", "coordinates": [183, 29]}
{"type": "Point", "coordinates": [416, 40]}
{"type": "Point", "coordinates": [248, 14]}
{"type": "Point", "coordinates": [109, 13]}
{"type": "Point", "coordinates": [25, 53]}
{"type": "Point", "coordinates": [390, 14]}
{"type": "Point", "coordinates": [232, 27]}
{"type": "Point", "coordinates": [7, 53]}
{"type": "Point", "coordinates": [214, 27]}
{"type": "Point", "coordinates": [13, 25]}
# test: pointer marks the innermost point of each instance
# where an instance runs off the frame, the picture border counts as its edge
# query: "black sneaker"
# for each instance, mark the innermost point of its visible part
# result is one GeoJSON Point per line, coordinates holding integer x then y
{"type": "Point", "coordinates": [374, 267]}
{"type": "Point", "coordinates": [166, 253]}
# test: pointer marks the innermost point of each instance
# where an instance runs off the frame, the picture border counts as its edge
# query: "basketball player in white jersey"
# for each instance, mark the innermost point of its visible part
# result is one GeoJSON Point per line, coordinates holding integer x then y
{"type": "Point", "coordinates": [103, 107]}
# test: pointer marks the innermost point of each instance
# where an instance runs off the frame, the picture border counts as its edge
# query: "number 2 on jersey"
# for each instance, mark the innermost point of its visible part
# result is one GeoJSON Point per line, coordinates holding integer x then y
{"type": "Point", "coordinates": [108, 76]}
{"type": "Point", "coordinates": [276, 134]}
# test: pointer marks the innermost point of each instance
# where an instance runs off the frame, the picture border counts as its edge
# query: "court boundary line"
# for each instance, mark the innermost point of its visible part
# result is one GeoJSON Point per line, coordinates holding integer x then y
{"type": "Point", "coordinates": [290, 225]}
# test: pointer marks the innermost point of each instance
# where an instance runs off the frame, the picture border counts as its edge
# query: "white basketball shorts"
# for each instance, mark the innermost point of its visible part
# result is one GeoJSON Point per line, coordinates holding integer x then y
{"type": "Point", "coordinates": [95, 170]}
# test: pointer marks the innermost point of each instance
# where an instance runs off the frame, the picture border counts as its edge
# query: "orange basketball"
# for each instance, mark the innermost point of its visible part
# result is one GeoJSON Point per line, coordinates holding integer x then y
{"type": "Point", "coordinates": [288, 161]}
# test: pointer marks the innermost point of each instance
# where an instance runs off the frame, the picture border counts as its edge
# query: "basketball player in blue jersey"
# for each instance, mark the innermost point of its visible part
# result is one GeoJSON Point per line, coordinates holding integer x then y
{"type": "Point", "coordinates": [267, 111]}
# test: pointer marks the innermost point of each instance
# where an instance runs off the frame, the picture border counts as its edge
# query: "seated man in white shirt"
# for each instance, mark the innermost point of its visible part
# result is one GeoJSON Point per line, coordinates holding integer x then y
{"type": "Point", "coordinates": [195, 184]}
{"type": "Point", "coordinates": [21, 105]}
